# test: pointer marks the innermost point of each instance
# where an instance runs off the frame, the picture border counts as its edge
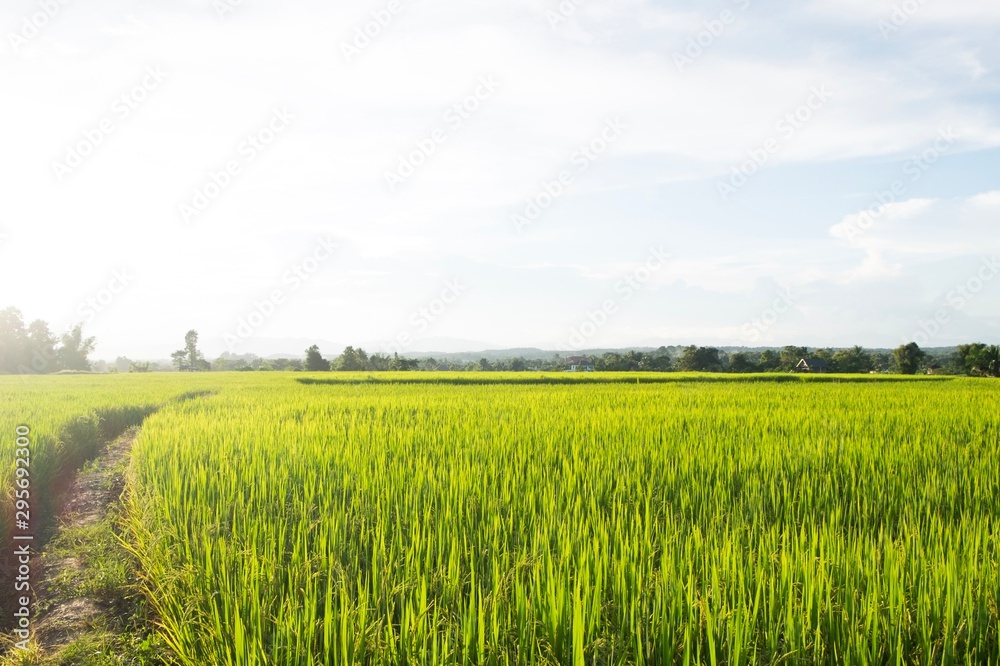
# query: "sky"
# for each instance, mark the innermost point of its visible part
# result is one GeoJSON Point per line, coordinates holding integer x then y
{"type": "Point", "coordinates": [442, 175]}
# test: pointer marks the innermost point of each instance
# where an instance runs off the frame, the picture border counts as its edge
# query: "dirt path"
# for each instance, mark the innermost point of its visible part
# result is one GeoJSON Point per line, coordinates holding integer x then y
{"type": "Point", "coordinates": [86, 603]}
{"type": "Point", "coordinates": [95, 489]}
{"type": "Point", "coordinates": [98, 486]}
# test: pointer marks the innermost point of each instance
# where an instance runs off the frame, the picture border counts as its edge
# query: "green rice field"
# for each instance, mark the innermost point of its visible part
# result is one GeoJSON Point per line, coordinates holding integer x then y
{"type": "Point", "coordinates": [608, 519]}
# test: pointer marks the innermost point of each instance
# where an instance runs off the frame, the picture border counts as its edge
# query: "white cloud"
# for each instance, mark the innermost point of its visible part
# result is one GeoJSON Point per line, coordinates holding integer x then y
{"type": "Point", "coordinates": [974, 12]}
{"type": "Point", "coordinates": [857, 227]}
{"type": "Point", "coordinates": [558, 87]}
{"type": "Point", "coordinates": [925, 228]}
{"type": "Point", "coordinates": [989, 201]}
{"type": "Point", "coordinates": [874, 266]}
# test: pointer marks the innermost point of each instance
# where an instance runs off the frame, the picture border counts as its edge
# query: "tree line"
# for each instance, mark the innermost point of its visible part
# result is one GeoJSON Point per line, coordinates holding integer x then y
{"type": "Point", "coordinates": [34, 349]}
{"type": "Point", "coordinates": [973, 360]}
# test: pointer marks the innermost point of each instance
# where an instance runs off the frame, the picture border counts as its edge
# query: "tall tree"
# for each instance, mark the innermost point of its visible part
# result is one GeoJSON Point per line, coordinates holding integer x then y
{"type": "Point", "coordinates": [968, 358]}
{"type": "Point", "coordinates": [700, 359]}
{"type": "Point", "coordinates": [978, 360]}
{"type": "Point", "coordinates": [178, 358]}
{"type": "Point", "coordinates": [769, 361]}
{"type": "Point", "coordinates": [41, 348]}
{"type": "Point", "coordinates": [401, 364]}
{"type": "Point", "coordinates": [315, 361]}
{"type": "Point", "coordinates": [989, 362]}
{"type": "Point", "coordinates": [881, 361]}
{"type": "Point", "coordinates": [75, 349]}
{"type": "Point", "coordinates": [13, 341]}
{"type": "Point", "coordinates": [379, 362]}
{"type": "Point", "coordinates": [658, 362]}
{"type": "Point", "coordinates": [352, 360]}
{"type": "Point", "coordinates": [190, 358]}
{"type": "Point", "coordinates": [908, 358]}
{"type": "Point", "coordinates": [742, 362]}
{"type": "Point", "coordinates": [852, 361]}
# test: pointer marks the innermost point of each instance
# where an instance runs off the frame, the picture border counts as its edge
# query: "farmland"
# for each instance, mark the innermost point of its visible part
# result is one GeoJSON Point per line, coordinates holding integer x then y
{"type": "Point", "coordinates": [527, 520]}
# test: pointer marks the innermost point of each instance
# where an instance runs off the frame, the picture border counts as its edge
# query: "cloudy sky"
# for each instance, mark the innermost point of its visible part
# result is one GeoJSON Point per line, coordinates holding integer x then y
{"type": "Point", "coordinates": [432, 173]}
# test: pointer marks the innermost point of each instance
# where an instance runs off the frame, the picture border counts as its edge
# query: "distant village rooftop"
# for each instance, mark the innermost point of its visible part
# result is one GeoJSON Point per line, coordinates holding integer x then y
{"type": "Point", "coordinates": [579, 364]}
{"type": "Point", "coordinates": [812, 365]}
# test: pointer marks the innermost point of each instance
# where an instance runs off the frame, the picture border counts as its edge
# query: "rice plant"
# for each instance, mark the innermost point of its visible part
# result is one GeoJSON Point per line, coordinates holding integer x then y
{"type": "Point", "coordinates": [619, 523]}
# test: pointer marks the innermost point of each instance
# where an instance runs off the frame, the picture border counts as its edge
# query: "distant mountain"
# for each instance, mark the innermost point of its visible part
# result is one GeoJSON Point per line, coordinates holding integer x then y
{"type": "Point", "coordinates": [489, 354]}
{"type": "Point", "coordinates": [434, 346]}
{"type": "Point", "coordinates": [271, 347]}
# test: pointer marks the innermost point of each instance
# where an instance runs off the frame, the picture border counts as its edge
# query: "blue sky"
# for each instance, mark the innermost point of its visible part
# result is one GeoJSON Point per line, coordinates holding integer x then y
{"type": "Point", "coordinates": [622, 122]}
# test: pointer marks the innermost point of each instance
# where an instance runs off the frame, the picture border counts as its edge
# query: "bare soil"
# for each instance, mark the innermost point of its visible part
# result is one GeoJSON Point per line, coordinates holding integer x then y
{"type": "Point", "coordinates": [96, 488]}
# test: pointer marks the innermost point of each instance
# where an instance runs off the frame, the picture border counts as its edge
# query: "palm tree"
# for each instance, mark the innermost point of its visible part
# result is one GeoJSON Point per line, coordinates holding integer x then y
{"type": "Point", "coordinates": [991, 361]}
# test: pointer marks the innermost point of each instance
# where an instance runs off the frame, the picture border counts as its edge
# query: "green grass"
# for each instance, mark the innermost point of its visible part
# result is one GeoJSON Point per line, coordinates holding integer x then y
{"type": "Point", "coordinates": [97, 647]}
{"type": "Point", "coordinates": [70, 418]}
{"type": "Point", "coordinates": [582, 378]}
{"type": "Point", "coordinates": [482, 518]}
{"type": "Point", "coordinates": [103, 572]}
{"type": "Point", "coordinates": [801, 522]}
